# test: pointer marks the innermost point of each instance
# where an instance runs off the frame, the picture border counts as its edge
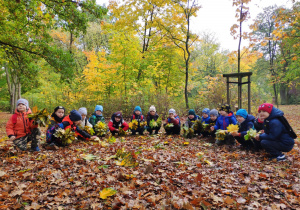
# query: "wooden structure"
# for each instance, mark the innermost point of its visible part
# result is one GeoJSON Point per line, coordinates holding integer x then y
{"type": "Point", "coordinates": [239, 76]}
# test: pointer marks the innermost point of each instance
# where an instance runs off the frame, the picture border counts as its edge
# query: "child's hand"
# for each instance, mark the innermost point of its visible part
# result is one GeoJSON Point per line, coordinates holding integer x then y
{"type": "Point", "coordinates": [93, 137]}
{"type": "Point", "coordinates": [12, 138]}
{"type": "Point", "coordinates": [226, 131]}
{"type": "Point", "coordinates": [117, 130]}
{"type": "Point", "coordinates": [235, 134]}
{"type": "Point", "coordinates": [257, 137]}
{"type": "Point", "coordinates": [212, 128]}
{"type": "Point", "coordinates": [262, 131]}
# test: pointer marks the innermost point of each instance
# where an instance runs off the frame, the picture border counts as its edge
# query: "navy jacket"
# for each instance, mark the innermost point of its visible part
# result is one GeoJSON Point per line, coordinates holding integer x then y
{"type": "Point", "coordinates": [205, 120]}
{"type": "Point", "coordinates": [223, 122]}
{"type": "Point", "coordinates": [246, 125]}
{"type": "Point", "coordinates": [151, 117]}
{"type": "Point", "coordinates": [275, 130]}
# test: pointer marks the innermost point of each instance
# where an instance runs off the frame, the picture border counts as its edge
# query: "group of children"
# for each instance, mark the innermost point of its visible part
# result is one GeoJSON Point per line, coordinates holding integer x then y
{"type": "Point", "coordinates": [275, 134]}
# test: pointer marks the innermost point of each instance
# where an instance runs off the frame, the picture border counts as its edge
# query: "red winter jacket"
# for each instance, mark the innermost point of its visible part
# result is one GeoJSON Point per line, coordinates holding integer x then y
{"type": "Point", "coordinates": [113, 126]}
{"type": "Point", "coordinates": [19, 125]}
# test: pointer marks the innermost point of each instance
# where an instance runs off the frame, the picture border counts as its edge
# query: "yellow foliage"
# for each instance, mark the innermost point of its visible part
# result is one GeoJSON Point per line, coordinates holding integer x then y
{"type": "Point", "coordinates": [107, 192]}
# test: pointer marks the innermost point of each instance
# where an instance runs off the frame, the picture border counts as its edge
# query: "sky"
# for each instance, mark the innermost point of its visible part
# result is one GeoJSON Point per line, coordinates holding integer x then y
{"type": "Point", "coordinates": [217, 17]}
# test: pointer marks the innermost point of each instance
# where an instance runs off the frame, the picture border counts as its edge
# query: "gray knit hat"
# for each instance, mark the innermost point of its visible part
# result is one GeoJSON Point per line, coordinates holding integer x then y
{"type": "Point", "coordinates": [214, 112]}
{"type": "Point", "coordinates": [23, 101]}
{"type": "Point", "coordinates": [82, 111]}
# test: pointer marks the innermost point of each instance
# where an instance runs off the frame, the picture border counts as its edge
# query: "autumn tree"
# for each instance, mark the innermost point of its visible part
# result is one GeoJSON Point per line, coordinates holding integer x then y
{"type": "Point", "coordinates": [179, 32]}
{"type": "Point", "coordinates": [25, 35]}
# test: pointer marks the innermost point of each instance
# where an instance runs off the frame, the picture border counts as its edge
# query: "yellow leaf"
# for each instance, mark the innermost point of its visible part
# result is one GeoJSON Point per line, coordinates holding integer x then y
{"type": "Point", "coordinates": [186, 143]}
{"type": "Point", "coordinates": [106, 192]}
{"type": "Point", "coordinates": [233, 128]}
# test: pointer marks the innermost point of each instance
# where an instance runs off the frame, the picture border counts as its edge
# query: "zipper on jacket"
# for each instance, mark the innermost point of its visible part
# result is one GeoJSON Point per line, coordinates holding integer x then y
{"type": "Point", "coordinates": [24, 123]}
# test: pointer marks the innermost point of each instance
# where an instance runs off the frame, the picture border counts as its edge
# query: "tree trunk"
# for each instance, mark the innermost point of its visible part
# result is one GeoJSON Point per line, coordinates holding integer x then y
{"type": "Point", "coordinates": [283, 94]}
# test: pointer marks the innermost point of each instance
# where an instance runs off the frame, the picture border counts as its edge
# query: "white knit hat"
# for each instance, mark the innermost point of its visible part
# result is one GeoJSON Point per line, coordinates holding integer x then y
{"type": "Point", "coordinates": [82, 111]}
{"type": "Point", "coordinates": [152, 108]}
{"type": "Point", "coordinates": [172, 111]}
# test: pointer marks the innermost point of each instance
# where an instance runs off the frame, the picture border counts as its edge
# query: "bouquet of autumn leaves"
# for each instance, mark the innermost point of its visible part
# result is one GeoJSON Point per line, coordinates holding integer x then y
{"type": "Point", "coordinates": [156, 124]}
{"type": "Point", "coordinates": [188, 132]}
{"type": "Point", "coordinates": [101, 129]}
{"type": "Point", "coordinates": [65, 136]}
{"type": "Point", "coordinates": [251, 134]}
{"type": "Point", "coordinates": [220, 134]}
{"type": "Point", "coordinates": [41, 117]}
{"type": "Point", "coordinates": [134, 124]}
{"type": "Point", "coordinates": [198, 126]}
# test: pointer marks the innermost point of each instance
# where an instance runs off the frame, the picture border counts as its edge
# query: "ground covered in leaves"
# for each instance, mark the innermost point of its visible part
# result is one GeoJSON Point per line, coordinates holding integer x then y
{"type": "Point", "coordinates": [148, 172]}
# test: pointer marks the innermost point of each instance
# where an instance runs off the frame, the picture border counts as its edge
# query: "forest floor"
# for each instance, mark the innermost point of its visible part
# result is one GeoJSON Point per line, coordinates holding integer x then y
{"type": "Point", "coordinates": [157, 172]}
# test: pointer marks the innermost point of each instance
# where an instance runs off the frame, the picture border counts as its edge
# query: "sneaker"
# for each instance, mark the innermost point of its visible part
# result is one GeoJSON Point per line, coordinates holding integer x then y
{"type": "Point", "coordinates": [37, 149]}
{"type": "Point", "coordinates": [281, 158]}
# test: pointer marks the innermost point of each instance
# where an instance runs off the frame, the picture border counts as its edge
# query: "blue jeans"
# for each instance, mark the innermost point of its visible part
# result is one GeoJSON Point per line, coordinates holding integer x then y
{"type": "Point", "coordinates": [275, 148]}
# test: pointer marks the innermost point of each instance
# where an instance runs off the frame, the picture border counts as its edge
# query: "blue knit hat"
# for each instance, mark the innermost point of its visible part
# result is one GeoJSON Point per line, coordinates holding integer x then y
{"type": "Point", "coordinates": [138, 108]}
{"type": "Point", "coordinates": [206, 111]}
{"type": "Point", "coordinates": [75, 115]}
{"type": "Point", "coordinates": [214, 112]}
{"type": "Point", "coordinates": [99, 108]}
{"type": "Point", "coordinates": [242, 112]}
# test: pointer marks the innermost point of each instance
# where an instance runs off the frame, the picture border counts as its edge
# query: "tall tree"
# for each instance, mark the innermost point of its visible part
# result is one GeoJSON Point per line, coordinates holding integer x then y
{"type": "Point", "coordinates": [179, 32]}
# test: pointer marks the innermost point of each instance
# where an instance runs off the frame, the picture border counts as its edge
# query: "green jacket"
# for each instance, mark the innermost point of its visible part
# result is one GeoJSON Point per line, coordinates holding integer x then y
{"type": "Point", "coordinates": [94, 119]}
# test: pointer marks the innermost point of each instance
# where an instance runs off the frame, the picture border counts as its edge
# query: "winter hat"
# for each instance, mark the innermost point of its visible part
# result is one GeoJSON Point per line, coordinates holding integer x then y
{"type": "Point", "coordinates": [138, 108]}
{"type": "Point", "coordinates": [214, 112]}
{"type": "Point", "coordinates": [265, 107]}
{"type": "Point", "coordinates": [75, 115]}
{"type": "Point", "coordinates": [57, 108]}
{"type": "Point", "coordinates": [226, 108]}
{"type": "Point", "coordinates": [99, 108]}
{"type": "Point", "coordinates": [118, 114]}
{"type": "Point", "coordinates": [242, 112]}
{"type": "Point", "coordinates": [206, 111]}
{"type": "Point", "coordinates": [192, 112]}
{"type": "Point", "coordinates": [152, 108]}
{"type": "Point", "coordinates": [172, 111]}
{"type": "Point", "coordinates": [23, 101]}
{"type": "Point", "coordinates": [82, 111]}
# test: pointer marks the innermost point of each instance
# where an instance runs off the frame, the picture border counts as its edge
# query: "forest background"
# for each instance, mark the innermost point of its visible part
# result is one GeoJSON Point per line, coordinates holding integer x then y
{"type": "Point", "coordinates": [78, 53]}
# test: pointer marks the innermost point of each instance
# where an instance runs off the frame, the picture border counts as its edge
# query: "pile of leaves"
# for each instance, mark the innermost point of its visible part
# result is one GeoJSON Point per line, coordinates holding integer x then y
{"type": "Point", "coordinates": [156, 124]}
{"type": "Point", "coordinates": [65, 136]}
{"type": "Point", "coordinates": [170, 174]}
{"type": "Point", "coordinates": [41, 117]}
{"type": "Point", "coordinates": [101, 129]}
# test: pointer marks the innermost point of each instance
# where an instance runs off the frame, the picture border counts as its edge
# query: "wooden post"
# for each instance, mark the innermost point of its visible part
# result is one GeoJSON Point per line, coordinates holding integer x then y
{"type": "Point", "coordinates": [249, 95]}
{"type": "Point", "coordinates": [228, 96]}
{"type": "Point", "coordinates": [239, 92]}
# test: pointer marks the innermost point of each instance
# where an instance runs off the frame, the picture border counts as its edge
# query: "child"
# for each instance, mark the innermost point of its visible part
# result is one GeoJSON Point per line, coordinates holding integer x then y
{"type": "Point", "coordinates": [152, 115]}
{"type": "Point", "coordinates": [277, 136]}
{"type": "Point", "coordinates": [175, 120]}
{"type": "Point", "coordinates": [191, 118]}
{"type": "Point", "coordinates": [20, 129]}
{"type": "Point", "coordinates": [84, 121]}
{"type": "Point", "coordinates": [71, 121]}
{"type": "Point", "coordinates": [57, 116]}
{"type": "Point", "coordinates": [137, 115]}
{"type": "Point", "coordinates": [213, 115]}
{"type": "Point", "coordinates": [224, 120]}
{"type": "Point", "coordinates": [205, 116]}
{"type": "Point", "coordinates": [258, 124]}
{"type": "Point", "coordinates": [246, 122]}
{"type": "Point", "coordinates": [117, 122]}
{"type": "Point", "coordinates": [97, 115]}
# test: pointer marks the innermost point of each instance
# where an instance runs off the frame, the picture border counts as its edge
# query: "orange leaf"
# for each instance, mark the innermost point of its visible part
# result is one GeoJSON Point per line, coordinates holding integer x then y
{"type": "Point", "coordinates": [228, 200]}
